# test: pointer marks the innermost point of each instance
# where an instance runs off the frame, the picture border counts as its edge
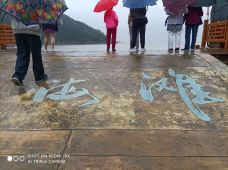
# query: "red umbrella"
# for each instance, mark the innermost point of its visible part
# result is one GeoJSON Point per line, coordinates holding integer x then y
{"type": "Point", "coordinates": [104, 5]}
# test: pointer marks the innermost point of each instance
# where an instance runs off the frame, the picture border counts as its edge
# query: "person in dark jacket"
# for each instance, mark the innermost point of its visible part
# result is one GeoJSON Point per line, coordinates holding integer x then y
{"type": "Point", "coordinates": [139, 20]}
{"type": "Point", "coordinates": [130, 24]}
{"type": "Point", "coordinates": [192, 21]}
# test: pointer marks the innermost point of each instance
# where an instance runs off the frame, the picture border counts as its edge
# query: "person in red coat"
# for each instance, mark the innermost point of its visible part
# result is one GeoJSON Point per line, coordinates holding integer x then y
{"type": "Point", "coordinates": [111, 20]}
{"type": "Point", "coordinates": [192, 21]}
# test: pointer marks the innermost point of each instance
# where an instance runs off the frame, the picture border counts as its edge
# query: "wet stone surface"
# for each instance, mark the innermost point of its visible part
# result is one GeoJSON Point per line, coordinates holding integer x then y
{"type": "Point", "coordinates": [115, 80]}
{"type": "Point", "coordinates": [120, 128]}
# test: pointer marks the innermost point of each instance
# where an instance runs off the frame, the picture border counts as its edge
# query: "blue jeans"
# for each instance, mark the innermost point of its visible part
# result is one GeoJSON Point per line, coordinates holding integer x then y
{"type": "Point", "coordinates": [27, 43]}
{"type": "Point", "coordinates": [188, 30]}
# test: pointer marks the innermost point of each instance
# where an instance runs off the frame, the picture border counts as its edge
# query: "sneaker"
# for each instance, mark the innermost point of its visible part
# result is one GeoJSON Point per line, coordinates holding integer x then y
{"type": "Point", "coordinates": [185, 49]}
{"type": "Point", "coordinates": [132, 50]}
{"type": "Point", "coordinates": [143, 49]}
{"type": "Point", "coordinates": [192, 51]}
{"type": "Point", "coordinates": [17, 81]}
{"type": "Point", "coordinates": [42, 83]}
{"type": "Point", "coordinates": [170, 50]}
{"type": "Point", "coordinates": [177, 50]}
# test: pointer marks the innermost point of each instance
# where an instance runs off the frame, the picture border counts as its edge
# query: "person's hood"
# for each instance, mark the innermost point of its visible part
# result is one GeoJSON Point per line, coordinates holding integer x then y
{"type": "Point", "coordinates": [109, 12]}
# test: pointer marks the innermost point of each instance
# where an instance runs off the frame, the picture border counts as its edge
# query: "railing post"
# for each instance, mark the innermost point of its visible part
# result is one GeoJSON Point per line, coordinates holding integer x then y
{"type": "Point", "coordinates": [205, 34]}
{"type": "Point", "coordinates": [3, 47]}
{"type": "Point", "coordinates": [226, 37]}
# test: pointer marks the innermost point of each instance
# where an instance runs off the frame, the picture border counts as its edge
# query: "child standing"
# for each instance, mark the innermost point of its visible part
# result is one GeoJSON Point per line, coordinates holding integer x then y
{"type": "Point", "coordinates": [174, 27]}
{"type": "Point", "coordinates": [111, 21]}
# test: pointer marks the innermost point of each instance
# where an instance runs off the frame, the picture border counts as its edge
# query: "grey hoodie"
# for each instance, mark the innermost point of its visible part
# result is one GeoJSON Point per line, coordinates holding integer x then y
{"type": "Point", "coordinates": [19, 28]}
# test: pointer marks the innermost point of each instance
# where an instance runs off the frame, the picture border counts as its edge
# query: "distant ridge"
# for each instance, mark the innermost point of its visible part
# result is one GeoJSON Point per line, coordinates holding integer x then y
{"type": "Point", "coordinates": [75, 32]}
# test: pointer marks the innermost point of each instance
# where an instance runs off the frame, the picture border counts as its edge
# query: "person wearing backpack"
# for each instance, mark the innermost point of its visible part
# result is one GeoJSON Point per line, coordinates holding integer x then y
{"type": "Point", "coordinates": [139, 25]}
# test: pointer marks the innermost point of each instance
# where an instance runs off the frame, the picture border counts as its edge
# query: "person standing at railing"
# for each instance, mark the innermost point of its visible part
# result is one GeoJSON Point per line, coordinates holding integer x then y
{"type": "Point", "coordinates": [130, 25]}
{"type": "Point", "coordinates": [139, 26]}
{"type": "Point", "coordinates": [192, 21]}
{"type": "Point", "coordinates": [174, 24]}
{"type": "Point", "coordinates": [111, 20]}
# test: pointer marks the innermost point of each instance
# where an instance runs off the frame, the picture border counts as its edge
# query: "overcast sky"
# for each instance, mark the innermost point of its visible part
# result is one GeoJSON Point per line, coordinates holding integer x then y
{"type": "Point", "coordinates": [82, 10]}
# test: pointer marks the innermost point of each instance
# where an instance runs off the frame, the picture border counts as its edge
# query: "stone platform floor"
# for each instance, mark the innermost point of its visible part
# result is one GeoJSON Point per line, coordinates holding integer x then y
{"type": "Point", "coordinates": [120, 129]}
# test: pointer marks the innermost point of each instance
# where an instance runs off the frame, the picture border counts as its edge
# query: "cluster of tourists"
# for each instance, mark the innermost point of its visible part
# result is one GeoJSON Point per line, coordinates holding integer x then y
{"type": "Point", "coordinates": [28, 37]}
{"type": "Point", "coordinates": [137, 22]}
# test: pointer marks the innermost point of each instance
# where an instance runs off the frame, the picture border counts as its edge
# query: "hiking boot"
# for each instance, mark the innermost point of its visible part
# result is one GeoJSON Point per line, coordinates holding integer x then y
{"type": "Point", "coordinates": [17, 81]}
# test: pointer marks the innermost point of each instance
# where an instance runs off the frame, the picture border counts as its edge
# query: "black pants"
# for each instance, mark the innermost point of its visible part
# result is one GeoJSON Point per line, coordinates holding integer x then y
{"type": "Point", "coordinates": [27, 43]}
{"type": "Point", "coordinates": [139, 25]}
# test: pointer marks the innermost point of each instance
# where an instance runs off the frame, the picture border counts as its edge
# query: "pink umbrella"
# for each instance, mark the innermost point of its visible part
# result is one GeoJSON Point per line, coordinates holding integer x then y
{"type": "Point", "coordinates": [104, 5]}
{"type": "Point", "coordinates": [176, 5]}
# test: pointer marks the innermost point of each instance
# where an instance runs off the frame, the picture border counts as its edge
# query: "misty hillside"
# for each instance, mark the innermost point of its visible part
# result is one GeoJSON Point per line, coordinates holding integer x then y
{"type": "Point", "coordinates": [75, 32]}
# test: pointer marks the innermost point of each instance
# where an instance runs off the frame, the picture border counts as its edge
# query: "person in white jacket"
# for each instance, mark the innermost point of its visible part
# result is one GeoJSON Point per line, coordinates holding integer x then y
{"type": "Point", "coordinates": [175, 23]}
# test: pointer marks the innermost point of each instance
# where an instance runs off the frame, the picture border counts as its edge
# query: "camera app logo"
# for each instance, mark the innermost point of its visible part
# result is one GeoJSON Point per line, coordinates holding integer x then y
{"type": "Point", "coordinates": [16, 158]}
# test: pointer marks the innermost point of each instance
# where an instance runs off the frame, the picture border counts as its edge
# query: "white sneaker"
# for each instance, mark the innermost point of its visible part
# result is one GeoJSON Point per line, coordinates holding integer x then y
{"type": "Point", "coordinates": [192, 51]}
{"type": "Point", "coordinates": [143, 49]}
{"type": "Point", "coordinates": [132, 50]}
